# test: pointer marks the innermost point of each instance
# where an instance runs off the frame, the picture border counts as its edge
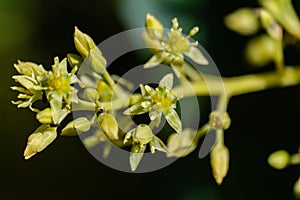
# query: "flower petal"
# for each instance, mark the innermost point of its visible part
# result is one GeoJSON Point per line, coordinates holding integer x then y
{"type": "Point", "coordinates": [167, 81]}
{"type": "Point", "coordinates": [139, 108]}
{"type": "Point", "coordinates": [196, 55]}
{"type": "Point", "coordinates": [174, 120]}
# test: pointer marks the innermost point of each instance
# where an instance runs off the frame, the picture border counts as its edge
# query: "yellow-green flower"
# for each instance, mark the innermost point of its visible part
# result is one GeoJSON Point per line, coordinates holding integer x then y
{"type": "Point", "coordinates": [172, 47]}
{"type": "Point", "coordinates": [59, 89]}
{"type": "Point", "coordinates": [158, 101]}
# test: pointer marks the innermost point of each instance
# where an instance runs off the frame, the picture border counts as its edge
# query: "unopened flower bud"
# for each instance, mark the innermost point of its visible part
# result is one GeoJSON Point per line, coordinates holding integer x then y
{"type": "Point", "coordinates": [219, 159]}
{"type": "Point", "coordinates": [279, 159]}
{"type": "Point", "coordinates": [109, 125]}
{"type": "Point", "coordinates": [83, 43]}
{"type": "Point", "coordinates": [271, 26]}
{"type": "Point", "coordinates": [97, 61]}
{"type": "Point", "coordinates": [297, 188]}
{"type": "Point", "coordinates": [39, 140]}
{"type": "Point", "coordinates": [105, 91]}
{"type": "Point", "coordinates": [260, 50]}
{"type": "Point", "coordinates": [91, 95]}
{"type": "Point", "coordinates": [243, 21]}
{"type": "Point", "coordinates": [87, 48]}
{"type": "Point", "coordinates": [219, 120]}
{"type": "Point", "coordinates": [284, 12]}
{"type": "Point", "coordinates": [76, 126]}
{"type": "Point", "coordinates": [45, 116]}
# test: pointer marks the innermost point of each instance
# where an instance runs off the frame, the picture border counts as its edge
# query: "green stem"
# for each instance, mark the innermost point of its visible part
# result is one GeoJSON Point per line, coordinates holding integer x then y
{"type": "Point", "coordinates": [240, 84]}
{"type": "Point", "coordinates": [108, 79]}
{"type": "Point", "coordinates": [119, 103]}
{"type": "Point", "coordinates": [279, 57]}
{"type": "Point", "coordinates": [212, 86]}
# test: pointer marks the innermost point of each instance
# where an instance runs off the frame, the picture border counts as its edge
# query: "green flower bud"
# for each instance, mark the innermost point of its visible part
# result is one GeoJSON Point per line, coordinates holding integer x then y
{"type": "Point", "coordinates": [76, 126]}
{"type": "Point", "coordinates": [219, 160]}
{"type": "Point", "coordinates": [269, 23]}
{"type": "Point", "coordinates": [297, 188]}
{"type": "Point", "coordinates": [45, 116]}
{"type": "Point", "coordinates": [91, 95]}
{"type": "Point", "coordinates": [154, 27]}
{"type": "Point", "coordinates": [279, 159]}
{"type": "Point", "coordinates": [244, 21]}
{"type": "Point", "coordinates": [74, 60]}
{"type": "Point", "coordinates": [83, 43]}
{"type": "Point", "coordinates": [97, 61]}
{"type": "Point", "coordinates": [219, 120]}
{"type": "Point", "coordinates": [105, 91]}
{"type": "Point", "coordinates": [87, 48]}
{"type": "Point", "coordinates": [143, 134]}
{"type": "Point", "coordinates": [284, 12]}
{"type": "Point", "coordinates": [39, 140]}
{"type": "Point", "coordinates": [260, 50]}
{"type": "Point", "coordinates": [109, 125]}
{"type": "Point", "coordinates": [181, 144]}
{"type": "Point", "coordinates": [29, 69]}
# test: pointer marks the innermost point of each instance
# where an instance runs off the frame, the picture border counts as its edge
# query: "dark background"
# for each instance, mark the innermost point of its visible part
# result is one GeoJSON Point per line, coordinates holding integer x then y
{"type": "Point", "coordinates": [262, 122]}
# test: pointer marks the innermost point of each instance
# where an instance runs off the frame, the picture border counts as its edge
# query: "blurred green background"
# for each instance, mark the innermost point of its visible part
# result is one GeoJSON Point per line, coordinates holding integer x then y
{"type": "Point", "coordinates": [263, 122]}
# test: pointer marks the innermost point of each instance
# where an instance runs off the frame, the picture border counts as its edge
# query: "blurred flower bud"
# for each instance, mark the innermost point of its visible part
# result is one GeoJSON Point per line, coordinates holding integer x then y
{"type": "Point", "coordinates": [297, 188]}
{"type": "Point", "coordinates": [260, 50]}
{"type": "Point", "coordinates": [29, 69]}
{"type": "Point", "coordinates": [45, 116]}
{"type": "Point", "coordinates": [181, 144]}
{"type": "Point", "coordinates": [271, 26]}
{"type": "Point", "coordinates": [91, 95]}
{"type": "Point", "coordinates": [219, 160]}
{"type": "Point", "coordinates": [243, 21]}
{"type": "Point", "coordinates": [97, 61]}
{"type": "Point", "coordinates": [154, 27]}
{"type": "Point", "coordinates": [105, 91]}
{"type": "Point", "coordinates": [74, 60]}
{"type": "Point", "coordinates": [284, 12]}
{"type": "Point", "coordinates": [219, 120]}
{"type": "Point", "coordinates": [76, 126]}
{"type": "Point", "coordinates": [109, 125]}
{"type": "Point", "coordinates": [143, 134]}
{"type": "Point", "coordinates": [279, 159]}
{"type": "Point", "coordinates": [39, 140]}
